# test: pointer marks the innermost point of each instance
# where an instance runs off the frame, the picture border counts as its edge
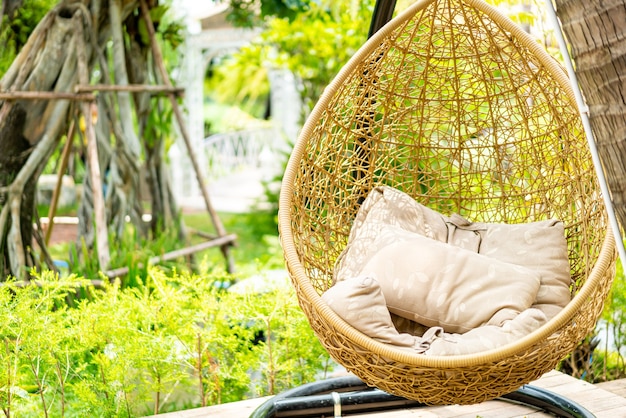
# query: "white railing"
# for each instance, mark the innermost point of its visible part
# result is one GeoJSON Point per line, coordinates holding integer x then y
{"type": "Point", "coordinates": [233, 152]}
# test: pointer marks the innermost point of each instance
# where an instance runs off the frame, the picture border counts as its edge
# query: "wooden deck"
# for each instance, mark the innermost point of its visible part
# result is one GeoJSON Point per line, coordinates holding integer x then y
{"type": "Point", "coordinates": [605, 400]}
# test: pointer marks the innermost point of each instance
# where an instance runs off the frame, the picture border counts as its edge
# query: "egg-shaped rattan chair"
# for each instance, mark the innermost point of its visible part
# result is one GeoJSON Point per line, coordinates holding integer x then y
{"type": "Point", "coordinates": [455, 105]}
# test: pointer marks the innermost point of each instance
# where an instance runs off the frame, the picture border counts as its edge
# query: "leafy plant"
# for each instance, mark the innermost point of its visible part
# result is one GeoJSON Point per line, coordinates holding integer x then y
{"type": "Point", "coordinates": [176, 341]}
{"type": "Point", "coordinates": [246, 12]}
{"type": "Point", "coordinates": [17, 25]}
{"type": "Point", "coordinates": [610, 363]}
{"type": "Point", "coordinates": [241, 82]}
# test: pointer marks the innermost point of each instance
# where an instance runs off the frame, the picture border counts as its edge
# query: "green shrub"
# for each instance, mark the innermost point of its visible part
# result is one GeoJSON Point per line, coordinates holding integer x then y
{"type": "Point", "coordinates": [609, 362]}
{"type": "Point", "coordinates": [174, 342]}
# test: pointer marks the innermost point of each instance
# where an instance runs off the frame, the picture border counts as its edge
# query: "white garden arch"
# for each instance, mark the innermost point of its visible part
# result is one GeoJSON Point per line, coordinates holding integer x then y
{"type": "Point", "coordinates": [235, 163]}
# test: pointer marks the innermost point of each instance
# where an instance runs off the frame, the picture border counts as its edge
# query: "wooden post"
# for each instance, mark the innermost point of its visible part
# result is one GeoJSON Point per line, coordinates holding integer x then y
{"type": "Point", "coordinates": [102, 236]}
{"type": "Point", "coordinates": [158, 59]}
{"type": "Point", "coordinates": [44, 95]}
{"type": "Point", "coordinates": [112, 274]}
{"type": "Point", "coordinates": [134, 88]}
{"type": "Point", "coordinates": [67, 148]}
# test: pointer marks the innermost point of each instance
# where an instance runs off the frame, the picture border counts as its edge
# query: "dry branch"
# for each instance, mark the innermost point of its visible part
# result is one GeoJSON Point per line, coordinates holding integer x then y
{"type": "Point", "coordinates": [133, 88]}
{"type": "Point", "coordinates": [217, 242]}
{"type": "Point", "coordinates": [65, 155]}
{"type": "Point", "coordinates": [158, 59]}
{"type": "Point", "coordinates": [92, 155]}
{"type": "Point", "coordinates": [45, 95]}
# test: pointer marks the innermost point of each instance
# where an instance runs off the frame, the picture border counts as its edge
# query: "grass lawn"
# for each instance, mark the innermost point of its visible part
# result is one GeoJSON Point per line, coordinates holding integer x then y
{"type": "Point", "coordinates": [255, 249]}
{"type": "Point", "coordinates": [257, 239]}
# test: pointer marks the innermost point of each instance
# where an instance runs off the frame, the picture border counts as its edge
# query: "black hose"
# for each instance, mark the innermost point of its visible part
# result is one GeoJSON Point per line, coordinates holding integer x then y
{"type": "Point", "coordinates": [548, 401]}
{"type": "Point", "coordinates": [317, 399]}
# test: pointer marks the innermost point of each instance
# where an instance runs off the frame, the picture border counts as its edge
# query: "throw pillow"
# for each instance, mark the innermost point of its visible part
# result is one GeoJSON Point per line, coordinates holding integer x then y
{"type": "Point", "coordinates": [438, 284]}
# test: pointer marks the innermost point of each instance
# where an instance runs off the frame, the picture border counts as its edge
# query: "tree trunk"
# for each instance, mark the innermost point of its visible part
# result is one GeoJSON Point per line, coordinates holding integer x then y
{"type": "Point", "coordinates": [596, 32]}
{"type": "Point", "coordinates": [30, 130]}
{"type": "Point", "coordinates": [165, 211]}
{"type": "Point", "coordinates": [13, 152]}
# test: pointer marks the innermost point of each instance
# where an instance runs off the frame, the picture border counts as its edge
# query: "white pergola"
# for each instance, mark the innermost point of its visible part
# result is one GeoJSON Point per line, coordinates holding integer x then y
{"type": "Point", "coordinates": [210, 36]}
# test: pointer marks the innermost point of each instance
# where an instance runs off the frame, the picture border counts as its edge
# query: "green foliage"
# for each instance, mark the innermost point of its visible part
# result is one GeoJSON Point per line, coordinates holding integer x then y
{"type": "Point", "coordinates": [257, 240]}
{"type": "Point", "coordinates": [610, 363]}
{"type": "Point", "coordinates": [159, 122]}
{"type": "Point", "coordinates": [314, 45]}
{"type": "Point", "coordinates": [17, 27]}
{"type": "Point", "coordinates": [170, 343]}
{"type": "Point", "coordinates": [313, 40]}
{"type": "Point", "coordinates": [257, 247]}
{"type": "Point", "coordinates": [240, 81]}
{"type": "Point", "coordinates": [247, 13]}
{"type": "Point", "coordinates": [606, 360]}
{"type": "Point", "coordinates": [169, 30]}
{"type": "Point", "coordinates": [130, 250]}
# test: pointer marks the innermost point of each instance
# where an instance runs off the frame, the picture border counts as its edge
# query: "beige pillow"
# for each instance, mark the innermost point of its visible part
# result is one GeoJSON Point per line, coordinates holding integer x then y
{"type": "Point", "coordinates": [438, 284]}
{"type": "Point", "coordinates": [404, 325]}
{"type": "Point", "coordinates": [360, 302]}
{"type": "Point", "coordinates": [386, 206]}
{"type": "Point", "coordinates": [539, 246]}
{"type": "Point", "coordinates": [487, 337]}
{"type": "Point", "coordinates": [383, 207]}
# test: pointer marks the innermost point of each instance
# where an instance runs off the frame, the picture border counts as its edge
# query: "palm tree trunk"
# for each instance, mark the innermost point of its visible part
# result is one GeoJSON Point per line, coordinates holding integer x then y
{"type": "Point", "coordinates": [596, 32]}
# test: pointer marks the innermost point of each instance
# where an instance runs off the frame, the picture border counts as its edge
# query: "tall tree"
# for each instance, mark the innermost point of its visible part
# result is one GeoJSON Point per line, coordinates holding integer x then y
{"type": "Point", "coordinates": [596, 32]}
{"type": "Point", "coordinates": [80, 42]}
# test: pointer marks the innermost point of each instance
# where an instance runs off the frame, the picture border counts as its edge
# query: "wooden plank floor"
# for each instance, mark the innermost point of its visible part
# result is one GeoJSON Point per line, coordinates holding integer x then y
{"type": "Point", "coordinates": [605, 400]}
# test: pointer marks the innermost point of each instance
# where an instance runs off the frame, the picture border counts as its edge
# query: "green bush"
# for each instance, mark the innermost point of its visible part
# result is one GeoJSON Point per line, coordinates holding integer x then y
{"type": "Point", "coordinates": [609, 362]}
{"type": "Point", "coordinates": [174, 342]}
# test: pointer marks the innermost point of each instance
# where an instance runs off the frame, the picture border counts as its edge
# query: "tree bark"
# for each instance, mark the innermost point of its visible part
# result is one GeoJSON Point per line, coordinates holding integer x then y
{"type": "Point", "coordinates": [596, 32]}
{"type": "Point", "coordinates": [43, 123]}
{"type": "Point", "coordinates": [165, 210]}
{"type": "Point", "coordinates": [87, 113]}
{"type": "Point", "coordinates": [14, 150]}
{"type": "Point", "coordinates": [31, 127]}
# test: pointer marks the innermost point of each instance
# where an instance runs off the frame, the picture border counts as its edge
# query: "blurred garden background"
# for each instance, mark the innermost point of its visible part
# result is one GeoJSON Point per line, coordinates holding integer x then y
{"type": "Point", "coordinates": [177, 296]}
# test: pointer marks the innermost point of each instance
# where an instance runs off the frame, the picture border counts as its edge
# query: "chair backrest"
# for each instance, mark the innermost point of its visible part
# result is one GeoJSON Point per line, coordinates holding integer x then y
{"type": "Point", "coordinates": [464, 112]}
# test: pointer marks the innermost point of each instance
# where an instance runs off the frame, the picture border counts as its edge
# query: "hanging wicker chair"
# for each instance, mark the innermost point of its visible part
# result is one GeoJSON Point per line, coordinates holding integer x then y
{"type": "Point", "coordinates": [453, 104]}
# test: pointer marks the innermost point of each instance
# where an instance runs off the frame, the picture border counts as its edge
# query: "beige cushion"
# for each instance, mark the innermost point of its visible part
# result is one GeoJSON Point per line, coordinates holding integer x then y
{"type": "Point", "coordinates": [438, 284]}
{"type": "Point", "coordinates": [360, 302]}
{"type": "Point", "coordinates": [487, 337]}
{"type": "Point", "coordinates": [384, 206]}
{"type": "Point", "coordinates": [408, 326]}
{"type": "Point", "coordinates": [539, 246]}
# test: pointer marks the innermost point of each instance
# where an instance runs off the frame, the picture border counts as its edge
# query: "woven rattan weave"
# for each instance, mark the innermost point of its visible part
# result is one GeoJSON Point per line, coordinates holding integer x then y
{"type": "Point", "coordinates": [455, 105]}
